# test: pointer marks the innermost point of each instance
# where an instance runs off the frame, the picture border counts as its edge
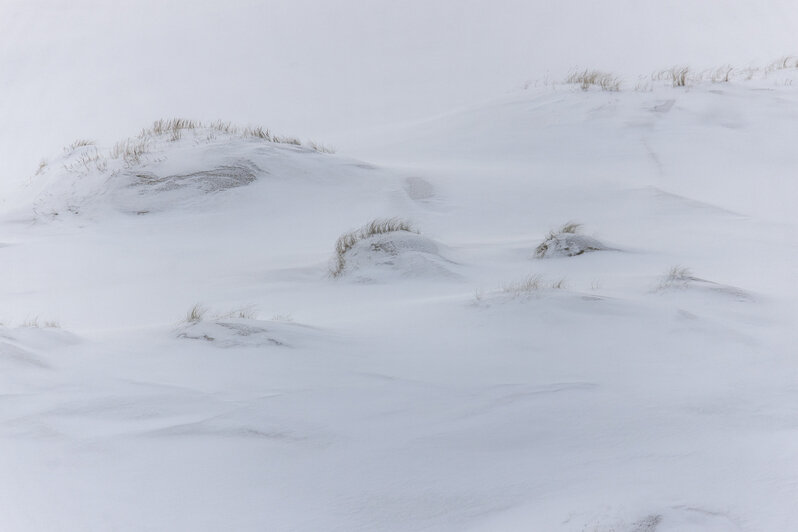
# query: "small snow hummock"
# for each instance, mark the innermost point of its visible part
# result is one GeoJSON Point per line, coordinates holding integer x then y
{"type": "Point", "coordinates": [568, 242]}
{"type": "Point", "coordinates": [388, 248]}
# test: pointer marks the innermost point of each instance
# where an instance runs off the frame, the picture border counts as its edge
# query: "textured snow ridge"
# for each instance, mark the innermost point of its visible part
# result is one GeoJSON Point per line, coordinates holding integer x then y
{"type": "Point", "coordinates": [26, 361]}
{"type": "Point", "coordinates": [242, 332]}
{"type": "Point", "coordinates": [235, 174]}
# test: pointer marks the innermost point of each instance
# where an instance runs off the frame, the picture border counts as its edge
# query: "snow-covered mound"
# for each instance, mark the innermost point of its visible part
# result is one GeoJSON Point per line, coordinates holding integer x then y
{"type": "Point", "coordinates": [388, 248]}
{"type": "Point", "coordinates": [174, 164]}
{"type": "Point", "coordinates": [582, 397]}
{"type": "Point", "coordinates": [568, 242]}
{"type": "Point", "coordinates": [402, 254]}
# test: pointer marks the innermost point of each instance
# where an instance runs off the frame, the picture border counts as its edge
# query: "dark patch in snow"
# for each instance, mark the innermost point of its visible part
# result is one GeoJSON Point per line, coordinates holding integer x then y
{"type": "Point", "coordinates": [244, 332]}
{"type": "Point", "coordinates": [647, 524]}
{"type": "Point", "coordinates": [214, 180]}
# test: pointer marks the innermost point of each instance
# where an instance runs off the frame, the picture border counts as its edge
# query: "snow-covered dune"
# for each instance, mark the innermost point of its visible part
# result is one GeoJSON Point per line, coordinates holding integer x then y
{"type": "Point", "coordinates": [187, 166]}
{"type": "Point", "coordinates": [555, 310]}
{"type": "Point", "coordinates": [324, 70]}
{"type": "Point", "coordinates": [640, 383]}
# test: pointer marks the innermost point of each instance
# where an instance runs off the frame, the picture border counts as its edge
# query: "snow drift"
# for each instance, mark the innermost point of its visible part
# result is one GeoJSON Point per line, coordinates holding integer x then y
{"type": "Point", "coordinates": [583, 396]}
{"type": "Point", "coordinates": [568, 242]}
{"type": "Point", "coordinates": [174, 164]}
{"type": "Point", "coordinates": [388, 249]}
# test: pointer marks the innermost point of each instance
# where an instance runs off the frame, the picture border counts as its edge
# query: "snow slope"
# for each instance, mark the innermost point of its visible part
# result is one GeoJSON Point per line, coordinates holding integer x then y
{"type": "Point", "coordinates": [177, 355]}
{"type": "Point", "coordinates": [325, 69]}
{"type": "Point", "coordinates": [631, 396]}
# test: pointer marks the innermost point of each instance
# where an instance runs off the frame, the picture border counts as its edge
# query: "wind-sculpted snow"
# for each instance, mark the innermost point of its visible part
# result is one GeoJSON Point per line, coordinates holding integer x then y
{"type": "Point", "coordinates": [243, 332]}
{"type": "Point", "coordinates": [568, 245]}
{"type": "Point", "coordinates": [160, 172]}
{"type": "Point", "coordinates": [14, 357]}
{"type": "Point", "coordinates": [213, 180]}
{"type": "Point", "coordinates": [27, 362]}
{"type": "Point", "coordinates": [681, 279]}
{"type": "Point", "coordinates": [436, 374]}
{"type": "Point", "coordinates": [396, 255]}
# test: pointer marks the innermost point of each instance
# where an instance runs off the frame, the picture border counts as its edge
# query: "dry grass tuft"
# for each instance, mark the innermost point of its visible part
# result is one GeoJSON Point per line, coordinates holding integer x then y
{"type": "Point", "coordinates": [88, 160]}
{"type": "Point", "coordinates": [174, 128]}
{"type": "Point", "coordinates": [245, 313]}
{"type": "Point", "coordinates": [321, 148]}
{"type": "Point", "coordinates": [595, 78]}
{"type": "Point", "coordinates": [677, 75]}
{"type": "Point", "coordinates": [679, 273]}
{"type": "Point", "coordinates": [530, 285]}
{"type": "Point", "coordinates": [676, 277]}
{"type": "Point", "coordinates": [259, 133]}
{"type": "Point", "coordinates": [721, 74]}
{"type": "Point", "coordinates": [376, 227]}
{"type": "Point", "coordinates": [223, 127]}
{"type": "Point", "coordinates": [567, 228]}
{"type": "Point", "coordinates": [131, 150]}
{"type": "Point", "coordinates": [570, 227]}
{"type": "Point", "coordinates": [171, 126]}
{"type": "Point", "coordinates": [42, 166]}
{"type": "Point", "coordinates": [33, 323]}
{"type": "Point", "coordinates": [287, 140]}
{"type": "Point", "coordinates": [79, 143]}
{"type": "Point", "coordinates": [788, 61]}
{"type": "Point", "coordinates": [196, 314]}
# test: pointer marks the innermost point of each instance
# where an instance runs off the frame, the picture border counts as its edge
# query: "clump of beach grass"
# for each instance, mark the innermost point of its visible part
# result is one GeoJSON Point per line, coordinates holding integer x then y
{"type": "Point", "coordinates": [595, 78]}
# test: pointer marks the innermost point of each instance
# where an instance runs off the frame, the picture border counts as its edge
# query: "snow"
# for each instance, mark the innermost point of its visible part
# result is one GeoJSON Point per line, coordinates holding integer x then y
{"type": "Point", "coordinates": [448, 379]}
{"type": "Point", "coordinates": [399, 254]}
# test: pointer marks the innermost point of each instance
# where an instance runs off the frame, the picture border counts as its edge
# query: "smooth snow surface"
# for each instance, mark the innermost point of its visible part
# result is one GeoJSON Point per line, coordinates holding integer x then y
{"type": "Point", "coordinates": [175, 354]}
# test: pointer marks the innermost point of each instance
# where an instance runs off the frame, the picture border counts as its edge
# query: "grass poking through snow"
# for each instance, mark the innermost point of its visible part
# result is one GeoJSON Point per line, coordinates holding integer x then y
{"type": "Point", "coordinates": [595, 78]}
{"type": "Point", "coordinates": [196, 314]}
{"type": "Point", "coordinates": [376, 227]}
{"type": "Point", "coordinates": [676, 277]}
{"type": "Point", "coordinates": [570, 228]}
